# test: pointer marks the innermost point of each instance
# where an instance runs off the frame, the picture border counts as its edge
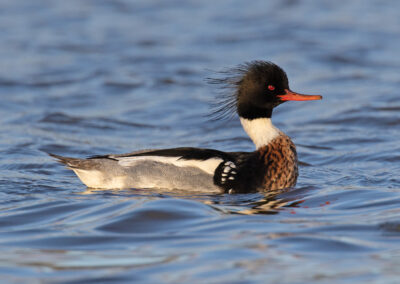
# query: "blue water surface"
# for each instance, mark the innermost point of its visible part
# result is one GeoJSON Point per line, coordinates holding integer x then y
{"type": "Point", "coordinates": [81, 78]}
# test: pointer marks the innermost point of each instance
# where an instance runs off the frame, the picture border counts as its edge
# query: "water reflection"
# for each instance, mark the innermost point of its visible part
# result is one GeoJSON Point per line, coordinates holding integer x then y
{"type": "Point", "coordinates": [247, 204]}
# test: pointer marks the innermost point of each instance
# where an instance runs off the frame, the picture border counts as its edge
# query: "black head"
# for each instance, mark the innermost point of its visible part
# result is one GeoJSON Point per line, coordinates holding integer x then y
{"type": "Point", "coordinates": [258, 90]}
{"type": "Point", "coordinates": [260, 86]}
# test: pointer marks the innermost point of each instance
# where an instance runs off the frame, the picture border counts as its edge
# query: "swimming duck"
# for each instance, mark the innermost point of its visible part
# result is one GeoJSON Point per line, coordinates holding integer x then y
{"type": "Point", "coordinates": [258, 87]}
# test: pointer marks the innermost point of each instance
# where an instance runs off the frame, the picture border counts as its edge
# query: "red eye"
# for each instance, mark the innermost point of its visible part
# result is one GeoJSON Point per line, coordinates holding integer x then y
{"type": "Point", "coordinates": [271, 88]}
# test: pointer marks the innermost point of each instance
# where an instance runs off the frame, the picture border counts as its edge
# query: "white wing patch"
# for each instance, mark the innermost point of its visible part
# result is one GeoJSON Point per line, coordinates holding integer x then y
{"type": "Point", "coordinates": [228, 172]}
{"type": "Point", "coordinates": [207, 166]}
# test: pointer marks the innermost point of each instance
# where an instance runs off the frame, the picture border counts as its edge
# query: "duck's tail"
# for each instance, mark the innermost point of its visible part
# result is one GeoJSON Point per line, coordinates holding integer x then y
{"type": "Point", "coordinates": [95, 172]}
{"type": "Point", "coordinates": [71, 163]}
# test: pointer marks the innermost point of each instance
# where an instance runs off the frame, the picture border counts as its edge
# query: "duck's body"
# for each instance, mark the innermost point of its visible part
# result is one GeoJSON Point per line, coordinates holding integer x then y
{"type": "Point", "coordinates": [272, 166]}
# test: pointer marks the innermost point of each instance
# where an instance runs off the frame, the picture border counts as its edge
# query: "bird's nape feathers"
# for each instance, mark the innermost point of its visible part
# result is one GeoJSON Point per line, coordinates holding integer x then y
{"type": "Point", "coordinates": [228, 81]}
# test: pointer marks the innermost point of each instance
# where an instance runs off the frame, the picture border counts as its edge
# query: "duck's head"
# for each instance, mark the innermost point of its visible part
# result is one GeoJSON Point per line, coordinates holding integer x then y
{"type": "Point", "coordinates": [263, 86]}
{"type": "Point", "coordinates": [258, 87]}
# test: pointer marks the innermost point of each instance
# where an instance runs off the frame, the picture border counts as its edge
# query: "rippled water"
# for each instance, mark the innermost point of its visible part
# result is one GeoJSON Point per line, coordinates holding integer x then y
{"type": "Point", "coordinates": [93, 77]}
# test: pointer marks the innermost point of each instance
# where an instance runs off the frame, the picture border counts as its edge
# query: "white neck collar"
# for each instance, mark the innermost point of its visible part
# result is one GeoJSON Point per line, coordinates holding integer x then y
{"type": "Point", "coordinates": [260, 130]}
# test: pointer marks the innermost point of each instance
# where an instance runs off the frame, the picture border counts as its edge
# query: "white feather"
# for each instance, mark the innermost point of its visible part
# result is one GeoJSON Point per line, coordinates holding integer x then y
{"type": "Point", "coordinates": [260, 130]}
{"type": "Point", "coordinates": [98, 179]}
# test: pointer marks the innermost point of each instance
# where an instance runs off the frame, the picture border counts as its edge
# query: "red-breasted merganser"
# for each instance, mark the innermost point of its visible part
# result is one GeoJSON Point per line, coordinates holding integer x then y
{"type": "Point", "coordinates": [259, 87]}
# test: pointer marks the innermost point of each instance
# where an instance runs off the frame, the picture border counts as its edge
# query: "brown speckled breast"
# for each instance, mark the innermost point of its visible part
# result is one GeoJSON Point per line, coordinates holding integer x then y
{"type": "Point", "coordinates": [271, 167]}
{"type": "Point", "coordinates": [280, 164]}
